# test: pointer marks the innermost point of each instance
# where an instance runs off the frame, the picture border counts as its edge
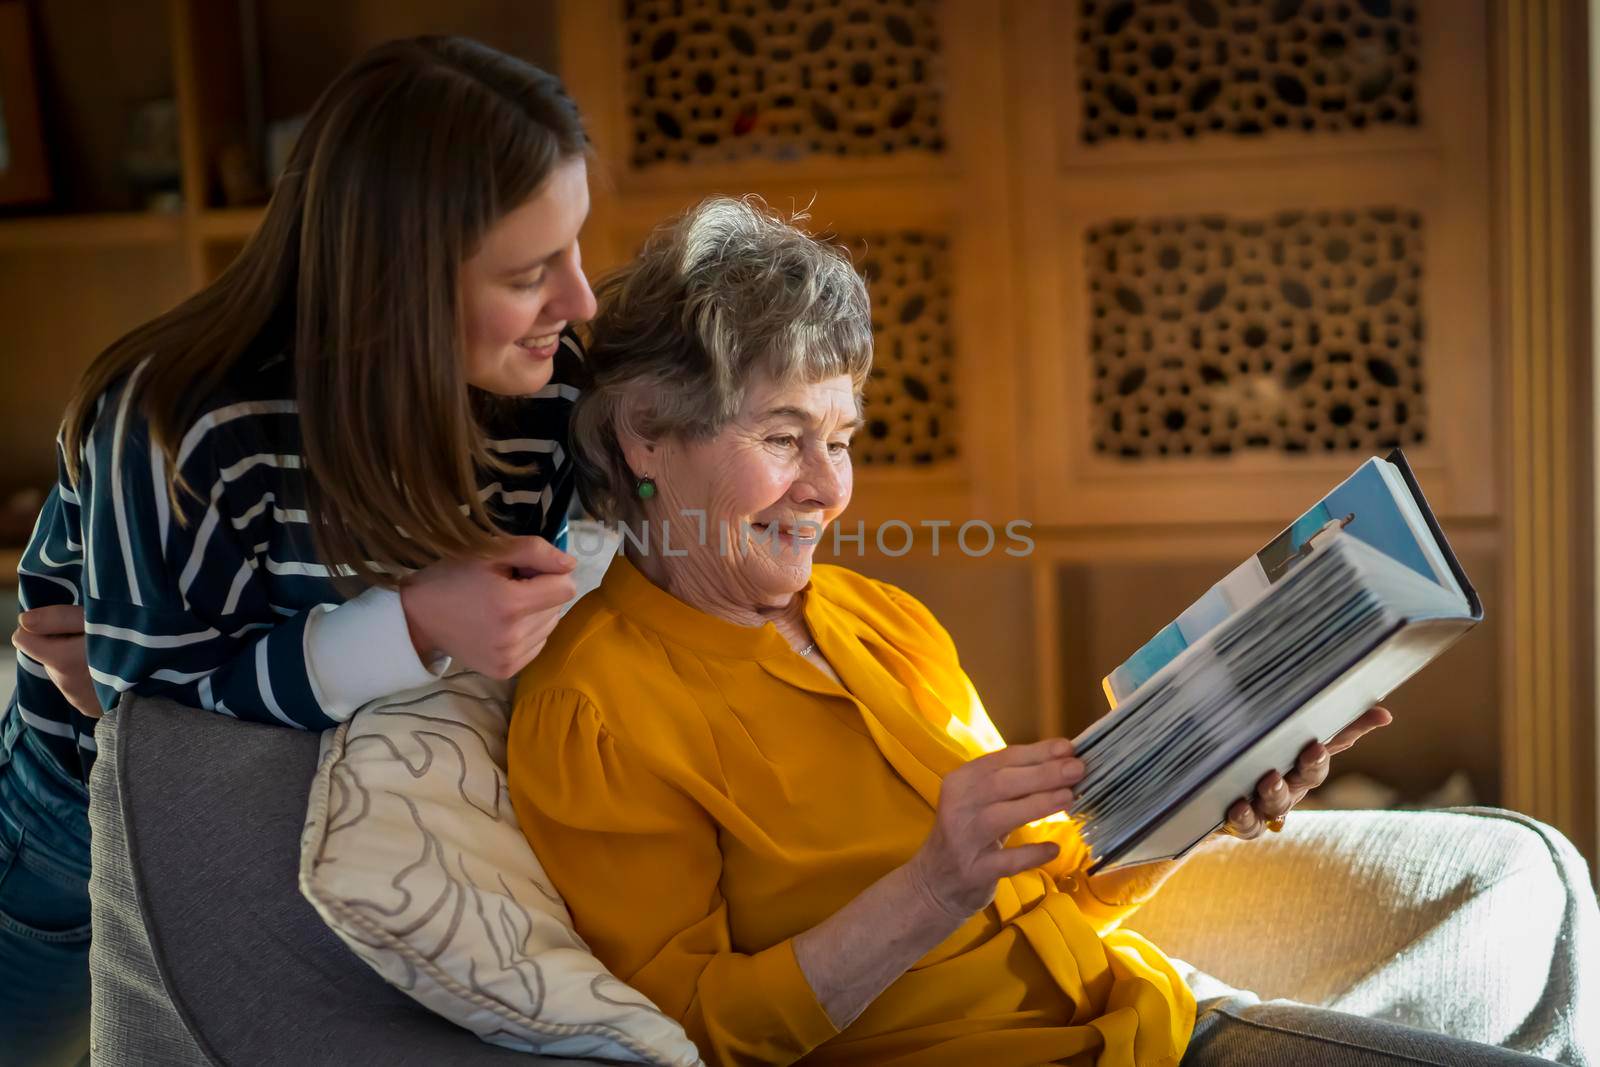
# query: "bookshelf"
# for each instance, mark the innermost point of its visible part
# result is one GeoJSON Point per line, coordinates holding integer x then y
{"type": "Point", "coordinates": [89, 264]}
{"type": "Point", "coordinates": [111, 229]}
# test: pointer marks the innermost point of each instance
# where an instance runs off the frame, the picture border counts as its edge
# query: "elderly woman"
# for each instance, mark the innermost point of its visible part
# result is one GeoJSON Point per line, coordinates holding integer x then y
{"type": "Point", "coordinates": [768, 793]}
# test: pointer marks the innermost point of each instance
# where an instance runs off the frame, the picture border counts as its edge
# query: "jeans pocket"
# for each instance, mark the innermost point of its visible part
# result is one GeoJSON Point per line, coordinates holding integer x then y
{"type": "Point", "coordinates": [40, 901]}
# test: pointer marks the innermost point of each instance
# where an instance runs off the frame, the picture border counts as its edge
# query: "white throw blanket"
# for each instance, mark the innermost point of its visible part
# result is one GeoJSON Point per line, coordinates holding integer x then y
{"type": "Point", "coordinates": [1474, 922]}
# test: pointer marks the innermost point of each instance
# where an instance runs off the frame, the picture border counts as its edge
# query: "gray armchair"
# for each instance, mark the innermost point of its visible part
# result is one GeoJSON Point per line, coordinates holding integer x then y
{"type": "Point", "coordinates": [1473, 922]}
{"type": "Point", "coordinates": [204, 951]}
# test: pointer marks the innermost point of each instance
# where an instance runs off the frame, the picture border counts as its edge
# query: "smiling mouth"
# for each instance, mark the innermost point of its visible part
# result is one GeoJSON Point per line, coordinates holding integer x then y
{"type": "Point", "coordinates": [799, 535]}
{"type": "Point", "coordinates": [535, 344]}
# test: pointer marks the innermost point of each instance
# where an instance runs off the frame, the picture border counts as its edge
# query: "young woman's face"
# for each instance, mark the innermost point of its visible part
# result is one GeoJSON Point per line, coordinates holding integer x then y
{"type": "Point", "coordinates": [525, 284]}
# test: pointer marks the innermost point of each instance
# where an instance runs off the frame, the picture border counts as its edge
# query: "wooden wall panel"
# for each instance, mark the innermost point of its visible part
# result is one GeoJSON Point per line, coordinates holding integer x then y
{"type": "Point", "coordinates": [1066, 189]}
{"type": "Point", "coordinates": [955, 194]}
{"type": "Point", "coordinates": [1548, 714]}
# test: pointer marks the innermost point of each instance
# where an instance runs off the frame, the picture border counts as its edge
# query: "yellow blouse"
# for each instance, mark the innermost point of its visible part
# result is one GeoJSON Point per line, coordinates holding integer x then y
{"type": "Point", "coordinates": [700, 795]}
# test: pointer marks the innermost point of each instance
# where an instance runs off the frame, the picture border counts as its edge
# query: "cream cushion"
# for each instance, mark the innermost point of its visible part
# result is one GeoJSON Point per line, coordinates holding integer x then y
{"type": "Point", "coordinates": [412, 854]}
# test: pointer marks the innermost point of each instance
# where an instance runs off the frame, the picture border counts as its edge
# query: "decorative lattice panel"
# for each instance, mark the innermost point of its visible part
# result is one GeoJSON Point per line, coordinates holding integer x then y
{"type": "Point", "coordinates": [911, 399]}
{"type": "Point", "coordinates": [1167, 70]}
{"type": "Point", "coordinates": [724, 80]}
{"type": "Point", "coordinates": [1302, 333]}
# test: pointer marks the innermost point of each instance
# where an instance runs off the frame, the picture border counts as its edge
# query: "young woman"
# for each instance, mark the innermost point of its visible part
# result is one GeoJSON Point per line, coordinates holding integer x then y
{"type": "Point", "coordinates": [317, 481]}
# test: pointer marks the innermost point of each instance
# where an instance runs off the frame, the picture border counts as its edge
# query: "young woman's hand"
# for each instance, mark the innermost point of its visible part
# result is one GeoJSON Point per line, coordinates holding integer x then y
{"type": "Point", "coordinates": [490, 615]}
{"type": "Point", "coordinates": [52, 636]}
{"type": "Point", "coordinates": [980, 803]}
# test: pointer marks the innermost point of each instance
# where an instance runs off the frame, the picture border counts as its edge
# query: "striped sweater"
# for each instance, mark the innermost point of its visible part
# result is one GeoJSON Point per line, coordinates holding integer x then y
{"type": "Point", "coordinates": [231, 611]}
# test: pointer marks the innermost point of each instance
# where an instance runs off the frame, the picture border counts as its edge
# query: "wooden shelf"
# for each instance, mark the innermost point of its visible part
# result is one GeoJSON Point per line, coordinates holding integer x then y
{"type": "Point", "coordinates": [230, 223]}
{"type": "Point", "coordinates": [123, 229]}
{"type": "Point", "coordinates": [10, 560]}
{"type": "Point", "coordinates": [91, 231]}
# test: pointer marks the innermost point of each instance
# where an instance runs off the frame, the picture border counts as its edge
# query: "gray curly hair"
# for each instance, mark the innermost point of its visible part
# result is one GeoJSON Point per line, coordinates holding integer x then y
{"type": "Point", "coordinates": [725, 292]}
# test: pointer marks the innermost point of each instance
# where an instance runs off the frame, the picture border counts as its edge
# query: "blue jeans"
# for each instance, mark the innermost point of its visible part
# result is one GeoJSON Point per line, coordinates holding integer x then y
{"type": "Point", "coordinates": [44, 905]}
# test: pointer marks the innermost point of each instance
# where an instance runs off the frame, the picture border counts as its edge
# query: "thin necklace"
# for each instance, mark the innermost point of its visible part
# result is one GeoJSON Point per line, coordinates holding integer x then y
{"type": "Point", "coordinates": [812, 647]}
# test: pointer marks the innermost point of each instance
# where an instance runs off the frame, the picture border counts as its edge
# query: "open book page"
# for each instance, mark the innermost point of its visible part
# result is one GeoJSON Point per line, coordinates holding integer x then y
{"type": "Point", "coordinates": [1380, 512]}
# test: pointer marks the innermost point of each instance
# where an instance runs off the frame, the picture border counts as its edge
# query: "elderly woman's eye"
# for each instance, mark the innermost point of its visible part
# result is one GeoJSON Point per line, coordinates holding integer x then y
{"type": "Point", "coordinates": [838, 448]}
{"type": "Point", "coordinates": [787, 440]}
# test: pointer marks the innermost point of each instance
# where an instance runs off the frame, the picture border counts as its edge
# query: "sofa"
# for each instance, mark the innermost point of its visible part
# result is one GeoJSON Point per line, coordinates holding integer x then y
{"type": "Point", "coordinates": [205, 952]}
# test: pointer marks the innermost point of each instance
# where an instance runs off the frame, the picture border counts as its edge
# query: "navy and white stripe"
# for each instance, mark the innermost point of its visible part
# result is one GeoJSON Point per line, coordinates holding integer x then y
{"type": "Point", "coordinates": [212, 612]}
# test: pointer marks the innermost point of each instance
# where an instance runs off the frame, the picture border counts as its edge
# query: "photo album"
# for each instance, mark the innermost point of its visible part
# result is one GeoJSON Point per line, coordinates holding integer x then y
{"type": "Point", "coordinates": [1356, 596]}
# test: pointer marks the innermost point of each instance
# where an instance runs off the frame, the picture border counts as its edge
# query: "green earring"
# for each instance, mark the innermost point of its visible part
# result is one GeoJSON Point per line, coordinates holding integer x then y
{"type": "Point", "coordinates": [645, 487]}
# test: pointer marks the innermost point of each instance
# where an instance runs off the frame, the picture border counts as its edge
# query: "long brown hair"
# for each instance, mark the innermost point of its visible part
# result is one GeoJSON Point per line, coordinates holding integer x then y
{"type": "Point", "coordinates": [405, 162]}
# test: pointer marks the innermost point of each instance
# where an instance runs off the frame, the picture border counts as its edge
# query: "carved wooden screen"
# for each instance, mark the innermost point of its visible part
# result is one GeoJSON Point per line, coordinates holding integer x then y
{"type": "Point", "coordinates": [1151, 274]}
{"type": "Point", "coordinates": [1213, 335]}
{"type": "Point", "coordinates": [1257, 252]}
{"type": "Point", "coordinates": [878, 117]}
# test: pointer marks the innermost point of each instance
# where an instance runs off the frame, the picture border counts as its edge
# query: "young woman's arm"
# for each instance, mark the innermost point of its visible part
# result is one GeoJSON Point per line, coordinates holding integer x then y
{"type": "Point", "coordinates": [187, 602]}
{"type": "Point", "coordinates": [185, 609]}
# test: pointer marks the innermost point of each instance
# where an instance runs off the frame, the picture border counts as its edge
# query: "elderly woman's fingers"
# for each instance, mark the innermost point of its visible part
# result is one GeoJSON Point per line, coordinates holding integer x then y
{"type": "Point", "coordinates": [1273, 798]}
{"type": "Point", "coordinates": [1311, 766]}
{"type": "Point", "coordinates": [1053, 748]}
{"type": "Point", "coordinates": [1009, 783]}
{"type": "Point", "coordinates": [1310, 769]}
{"type": "Point", "coordinates": [1011, 773]}
{"type": "Point", "coordinates": [1243, 822]}
{"type": "Point", "coordinates": [958, 861]}
{"type": "Point", "coordinates": [998, 820]}
{"type": "Point", "coordinates": [1276, 794]}
{"type": "Point", "coordinates": [1370, 720]}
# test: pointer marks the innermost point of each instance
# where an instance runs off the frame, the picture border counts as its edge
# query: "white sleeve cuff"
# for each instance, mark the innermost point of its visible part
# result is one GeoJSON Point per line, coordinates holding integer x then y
{"type": "Point", "coordinates": [361, 650]}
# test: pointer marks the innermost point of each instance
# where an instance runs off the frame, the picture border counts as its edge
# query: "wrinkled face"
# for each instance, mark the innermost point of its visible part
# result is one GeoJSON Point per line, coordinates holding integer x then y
{"type": "Point", "coordinates": [524, 284]}
{"type": "Point", "coordinates": [773, 479]}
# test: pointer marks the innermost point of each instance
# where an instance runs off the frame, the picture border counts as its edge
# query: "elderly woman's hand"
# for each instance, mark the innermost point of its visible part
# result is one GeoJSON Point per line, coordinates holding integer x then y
{"type": "Point", "coordinates": [980, 803]}
{"type": "Point", "coordinates": [1276, 794]}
